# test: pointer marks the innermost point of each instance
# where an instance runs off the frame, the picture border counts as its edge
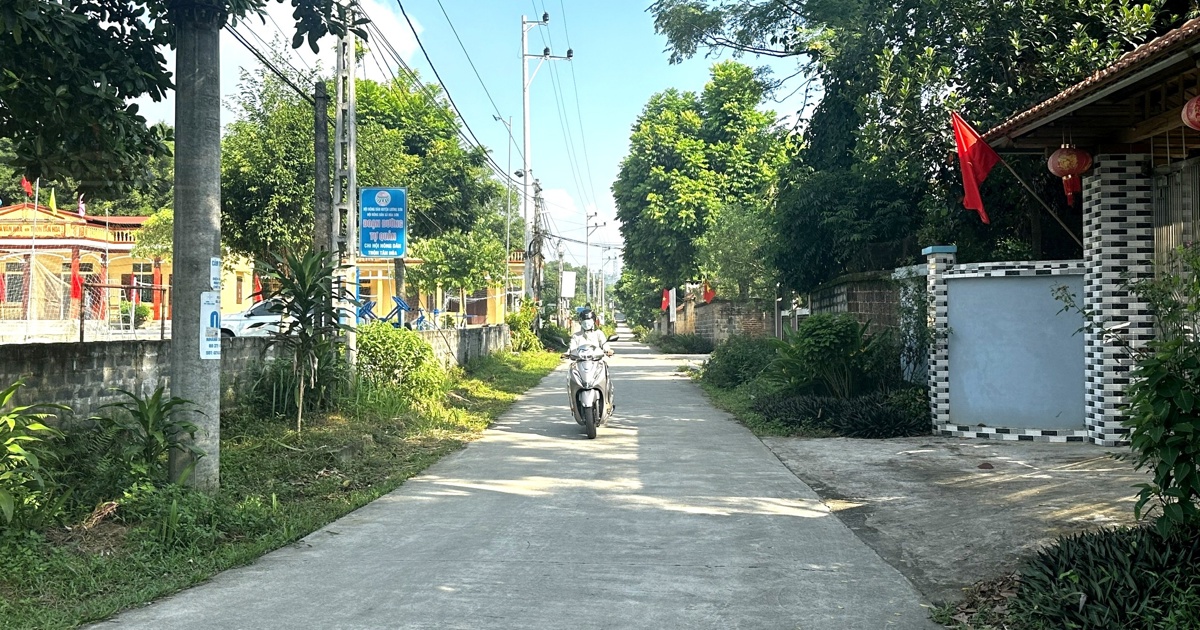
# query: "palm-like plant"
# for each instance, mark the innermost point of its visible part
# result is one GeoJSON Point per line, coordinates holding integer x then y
{"type": "Point", "coordinates": [311, 327]}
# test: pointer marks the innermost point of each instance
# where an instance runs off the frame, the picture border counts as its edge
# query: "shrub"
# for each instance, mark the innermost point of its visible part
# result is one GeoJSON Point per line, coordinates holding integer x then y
{"type": "Point", "coordinates": [140, 313]}
{"type": "Point", "coordinates": [738, 360]}
{"type": "Point", "coordinates": [680, 344]}
{"type": "Point", "coordinates": [554, 337]}
{"type": "Point", "coordinates": [133, 442]}
{"type": "Point", "coordinates": [390, 357]}
{"type": "Point", "coordinates": [520, 326]}
{"type": "Point", "coordinates": [25, 441]}
{"type": "Point", "coordinates": [1113, 578]}
{"type": "Point", "coordinates": [874, 416]}
{"type": "Point", "coordinates": [176, 517]}
{"type": "Point", "coordinates": [835, 354]}
{"type": "Point", "coordinates": [640, 333]}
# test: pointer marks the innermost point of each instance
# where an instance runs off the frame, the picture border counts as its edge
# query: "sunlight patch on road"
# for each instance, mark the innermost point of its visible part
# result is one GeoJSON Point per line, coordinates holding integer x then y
{"type": "Point", "coordinates": [728, 506]}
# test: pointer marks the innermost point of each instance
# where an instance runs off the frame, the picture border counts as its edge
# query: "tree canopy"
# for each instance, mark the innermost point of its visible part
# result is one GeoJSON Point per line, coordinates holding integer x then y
{"type": "Point", "coordinates": [691, 155]}
{"type": "Point", "coordinates": [872, 182]}
{"type": "Point", "coordinates": [406, 137]}
{"type": "Point", "coordinates": [65, 106]}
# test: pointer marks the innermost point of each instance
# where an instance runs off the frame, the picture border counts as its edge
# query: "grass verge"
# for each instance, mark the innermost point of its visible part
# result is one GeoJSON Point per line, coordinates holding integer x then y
{"type": "Point", "coordinates": [277, 486]}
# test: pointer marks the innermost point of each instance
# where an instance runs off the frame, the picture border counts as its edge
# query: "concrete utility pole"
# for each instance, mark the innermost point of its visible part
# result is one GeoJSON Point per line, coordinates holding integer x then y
{"type": "Point", "coordinates": [526, 173]}
{"type": "Point", "coordinates": [587, 250]}
{"type": "Point", "coordinates": [197, 232]}
{"type": "Point", "coordinates": [323, 198]}
{"type": "Point", "coordinates": [507, 213]}
{"type": "Point", "coordinates": [534, 256]}
{"type": "Point", "coordinates": [345, 216]}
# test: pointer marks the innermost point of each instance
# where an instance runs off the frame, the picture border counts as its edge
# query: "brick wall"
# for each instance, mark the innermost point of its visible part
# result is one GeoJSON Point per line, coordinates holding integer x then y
{"type": "Point", "coordinates": [83, 375]}
{"type": "Point", "coordinates": [871, 297]}
{"type": "Point", "coordinates": [718, 320]}
{"type": "Point", "coordinates": [460, 345]}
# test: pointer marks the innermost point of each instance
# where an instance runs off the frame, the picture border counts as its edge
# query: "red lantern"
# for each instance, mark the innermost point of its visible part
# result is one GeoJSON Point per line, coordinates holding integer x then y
{"type": "Point", "coordinates": [1191, 113]}
{"type": "Point", "coordinates": [1069, 163]}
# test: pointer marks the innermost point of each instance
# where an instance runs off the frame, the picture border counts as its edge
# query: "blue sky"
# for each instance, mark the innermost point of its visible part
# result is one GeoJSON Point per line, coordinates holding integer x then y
{"type": "Point", "coordinates": [618, 64]}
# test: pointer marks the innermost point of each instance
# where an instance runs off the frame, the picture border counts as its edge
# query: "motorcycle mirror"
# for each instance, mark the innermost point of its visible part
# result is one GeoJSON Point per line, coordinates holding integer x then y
{"type": "Point", "coordinates": [613, 338]}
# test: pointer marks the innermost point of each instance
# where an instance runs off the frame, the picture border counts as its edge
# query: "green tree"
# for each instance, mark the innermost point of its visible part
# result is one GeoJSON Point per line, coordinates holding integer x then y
{"type": "Point", "coordinates": [690, 156]}
{"type": "Point", "coordinates": [888, 73]}
{"type": "Point", "coordinates": [156, 236]}
{"type": "Point", "coordinates": [638, 296]}
{"type": "Point", "coordinates": [405, 138]}
{"type": "Point", "coordinates": [463, 262]}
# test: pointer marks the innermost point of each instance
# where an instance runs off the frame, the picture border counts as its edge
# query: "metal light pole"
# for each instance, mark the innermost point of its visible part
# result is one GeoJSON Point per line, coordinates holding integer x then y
{"type": "Point", "coordinates": [507, 212]}
{"type": "Point", "coordinates": [527, 171]}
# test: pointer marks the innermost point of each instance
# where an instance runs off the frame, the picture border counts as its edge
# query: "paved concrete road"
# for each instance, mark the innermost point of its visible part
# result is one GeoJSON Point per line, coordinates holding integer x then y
{"type": "Point", "coordinates": [674, 517]}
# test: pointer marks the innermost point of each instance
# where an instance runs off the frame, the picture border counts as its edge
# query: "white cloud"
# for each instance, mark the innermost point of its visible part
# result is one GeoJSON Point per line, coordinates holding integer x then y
{"type": "Point", "coordinates": [235, 57]}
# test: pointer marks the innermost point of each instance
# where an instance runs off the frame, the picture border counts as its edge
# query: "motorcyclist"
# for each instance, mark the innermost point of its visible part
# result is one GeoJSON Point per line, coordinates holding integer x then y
{"type": "Point", "coordinates": [589, 334]}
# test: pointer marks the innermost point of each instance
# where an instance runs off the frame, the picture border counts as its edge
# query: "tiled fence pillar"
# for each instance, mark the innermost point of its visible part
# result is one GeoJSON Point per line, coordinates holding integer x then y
{"type": "Point", "coordinates": [1118, 227]}
{"type": "Point", "coordinates": [941, 258]}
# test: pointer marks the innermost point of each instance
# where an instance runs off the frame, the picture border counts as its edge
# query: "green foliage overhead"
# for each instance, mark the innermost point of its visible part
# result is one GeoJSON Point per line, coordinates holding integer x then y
{"type": "Point", "coordinates": [156, 236]}
{"type": "Point", "coordinates": [884, 77]}
{"type": "Point", "coordinates": [638, 296]}
{"type": "Point", "coordinates": [67, 107]}
{"type": "Point", "coordinates": [690, 156]}
{"type": "Point", "coordinates": [405, 138]}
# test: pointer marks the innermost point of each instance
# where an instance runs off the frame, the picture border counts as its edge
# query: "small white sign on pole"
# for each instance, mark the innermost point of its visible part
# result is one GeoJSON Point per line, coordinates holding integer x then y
{"type": "Point", "coordinates": [214, 273]}
{"type": "Point", "coordinates": [568, 285]}
{"type": "Point", "coordinates": [210, 325]}
{"type": "Point", "coordinates": [671, 307]}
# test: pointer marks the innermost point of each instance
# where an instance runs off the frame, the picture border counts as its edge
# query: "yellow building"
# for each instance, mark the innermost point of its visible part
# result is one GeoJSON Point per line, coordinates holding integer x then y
{"type": "Point", "coordinates": [63, 267]}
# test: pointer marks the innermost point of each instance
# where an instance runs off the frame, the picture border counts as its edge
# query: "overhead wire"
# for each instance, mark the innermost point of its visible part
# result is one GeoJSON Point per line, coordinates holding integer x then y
{"type": "Point", "coordinates": [478, 76]}
{"type": "Point", "coordinates": [563, 118]}
{"type": "Point", "coordinates": [269, 65]}
{"type": "Point", "coordinates": [578, 108]}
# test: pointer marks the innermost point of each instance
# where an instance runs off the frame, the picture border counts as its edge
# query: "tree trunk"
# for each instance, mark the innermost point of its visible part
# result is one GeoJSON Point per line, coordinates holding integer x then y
{"type": "Point", "coordinates": [197, 232]}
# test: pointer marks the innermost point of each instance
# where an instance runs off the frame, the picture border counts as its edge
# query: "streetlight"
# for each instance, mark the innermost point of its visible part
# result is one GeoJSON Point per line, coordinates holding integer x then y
{"type": "Point", "coordinates": [526, 79]}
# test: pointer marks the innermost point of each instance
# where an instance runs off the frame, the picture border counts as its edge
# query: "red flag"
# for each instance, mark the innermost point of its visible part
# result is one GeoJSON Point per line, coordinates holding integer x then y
{"type": "Point", "coordinates": [666, 303]}
{"type": "Point", "coordinates": [257, 288]}
{"type": "Point", "coordinates": [709, 293]}
{"type": "Point", "coordinates": [27, 186]}
{"type": "Point", "coordinates": [977, 160]}
{"type": "Point", "coordinates": [137, 294]}
{"type": "Point", "coordinates": [3, 288]}
{"type": "Point", "coordinates": [76, 280]}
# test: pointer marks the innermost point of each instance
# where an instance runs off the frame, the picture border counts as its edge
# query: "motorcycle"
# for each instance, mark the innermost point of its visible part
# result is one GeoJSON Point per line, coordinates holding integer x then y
{"type": "Point", "coordinates": [589, 388]}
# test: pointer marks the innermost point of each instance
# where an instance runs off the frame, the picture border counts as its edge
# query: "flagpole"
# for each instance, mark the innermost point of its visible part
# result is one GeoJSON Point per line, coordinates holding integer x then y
{"type": "Point", "coordinates": [37, 189]}
{"type": "Point", "coordinates": [1044, 204]}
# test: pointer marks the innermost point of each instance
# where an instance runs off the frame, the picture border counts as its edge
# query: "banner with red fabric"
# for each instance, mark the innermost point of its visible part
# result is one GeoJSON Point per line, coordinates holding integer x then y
{"type": "Point", "coordinates": [76, 280]}
{"type": "Point", "coordinates": [666, 301]}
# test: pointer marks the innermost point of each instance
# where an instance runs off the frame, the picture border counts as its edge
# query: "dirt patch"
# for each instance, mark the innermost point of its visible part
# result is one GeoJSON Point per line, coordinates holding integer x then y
{"type": "Point", "coordinates": [948, 512]}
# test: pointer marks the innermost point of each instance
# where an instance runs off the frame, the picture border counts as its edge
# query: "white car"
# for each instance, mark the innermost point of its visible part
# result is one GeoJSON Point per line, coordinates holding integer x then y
{"type": "Point", "coordinates": [243, 324]}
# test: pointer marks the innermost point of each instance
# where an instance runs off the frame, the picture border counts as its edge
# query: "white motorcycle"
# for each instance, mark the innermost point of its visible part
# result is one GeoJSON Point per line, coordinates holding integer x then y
{"type": "Point", "coordinates": [589, 388]}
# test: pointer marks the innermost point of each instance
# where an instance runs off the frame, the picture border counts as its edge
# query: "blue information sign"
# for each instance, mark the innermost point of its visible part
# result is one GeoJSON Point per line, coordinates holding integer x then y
{"type": "Point", "coordinates": [383, 222]}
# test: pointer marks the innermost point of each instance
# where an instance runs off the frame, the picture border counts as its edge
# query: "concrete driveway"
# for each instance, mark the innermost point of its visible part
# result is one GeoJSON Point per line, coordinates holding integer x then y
{"type": "Point", "coordinates": [674, 517]}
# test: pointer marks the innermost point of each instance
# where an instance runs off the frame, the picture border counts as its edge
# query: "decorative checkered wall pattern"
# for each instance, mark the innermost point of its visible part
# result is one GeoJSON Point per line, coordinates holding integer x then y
{"type": "Point", "coordinates": [942, 268]}
{"type": "Point", "coordinates": [1118, 227]}
{"type": "Point", "coordinates": [1118, 247]}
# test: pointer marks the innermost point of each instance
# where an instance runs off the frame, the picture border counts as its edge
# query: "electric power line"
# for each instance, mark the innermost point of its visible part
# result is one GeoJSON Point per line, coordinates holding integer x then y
{"type": "Point", "coordinates": [270, 66]}
{"type": "Point", "coordinates": [482, 84]}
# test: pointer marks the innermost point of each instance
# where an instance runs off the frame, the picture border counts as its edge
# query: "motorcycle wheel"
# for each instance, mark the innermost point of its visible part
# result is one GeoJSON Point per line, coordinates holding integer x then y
{"type": "Point", "coordinates": [589, 421]}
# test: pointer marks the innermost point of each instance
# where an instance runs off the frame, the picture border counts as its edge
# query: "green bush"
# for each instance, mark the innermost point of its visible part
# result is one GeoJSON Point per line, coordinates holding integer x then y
{"type": "Point", "coordinates": [390, 357]}
{"type": "Point", "coordinates": [640, 333]}
{"type": "Point", "coordinates": [138, 433]}
{"type": "Point", "coordinates": [554, 337]}
{"type": "Point", "coordinates": [680, 344]}
{"type": "Point", "coordinates": [836, 355]}
{"type": "Point", "coordinates": [874, 416]}
{"type": "Point", "coordinates": [1113, 578]}
{"type": "Point", "coordinates": [177, 517]}
{"type": "Point", "coordinates": [25, 442]}
{"type": "Point", "coordinates": [140, 314]}
{"type": "Point", "coordinates": [738, 360]}
{"type": "Point", "coordinates": [520, 326]}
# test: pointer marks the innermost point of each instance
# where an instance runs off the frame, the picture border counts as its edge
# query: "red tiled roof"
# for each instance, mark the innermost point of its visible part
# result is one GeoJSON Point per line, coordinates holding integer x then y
{"type": "Point", "coordinates": [1136, 59]}
{"type": "Point", "coordinates": [132, 221]}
